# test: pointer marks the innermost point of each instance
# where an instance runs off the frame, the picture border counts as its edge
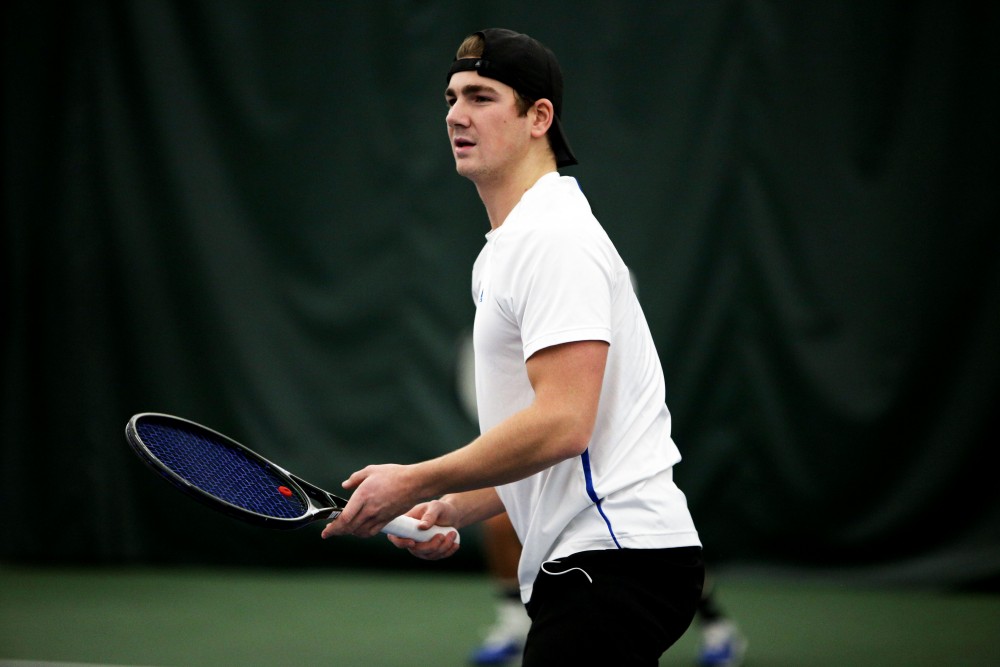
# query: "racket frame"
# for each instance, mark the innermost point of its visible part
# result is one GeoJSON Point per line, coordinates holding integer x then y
{"type": "Point", "coordinates": [320, 504]}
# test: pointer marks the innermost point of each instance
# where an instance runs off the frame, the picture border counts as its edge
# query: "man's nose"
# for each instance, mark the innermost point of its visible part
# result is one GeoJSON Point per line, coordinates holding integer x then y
{"type": "Point", "coordinates": [456, 116]}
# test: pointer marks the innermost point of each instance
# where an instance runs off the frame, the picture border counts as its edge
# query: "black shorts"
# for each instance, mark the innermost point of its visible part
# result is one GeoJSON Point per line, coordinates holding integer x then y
{"type": "Point", "coordinates": [616, 607]}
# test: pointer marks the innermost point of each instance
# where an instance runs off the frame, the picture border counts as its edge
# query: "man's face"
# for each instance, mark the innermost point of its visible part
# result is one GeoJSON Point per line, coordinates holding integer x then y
{"type": "Point", "coordinates": [486, 132]}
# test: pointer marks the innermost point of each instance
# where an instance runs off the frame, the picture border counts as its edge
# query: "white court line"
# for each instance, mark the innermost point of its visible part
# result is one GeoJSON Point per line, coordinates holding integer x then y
{"type": "Point", "coordinates": [45, 663]}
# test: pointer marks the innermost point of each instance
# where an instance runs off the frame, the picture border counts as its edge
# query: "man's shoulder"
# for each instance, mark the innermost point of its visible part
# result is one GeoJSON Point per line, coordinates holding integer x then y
{"type": "Point", "coordinates": [556, 202]}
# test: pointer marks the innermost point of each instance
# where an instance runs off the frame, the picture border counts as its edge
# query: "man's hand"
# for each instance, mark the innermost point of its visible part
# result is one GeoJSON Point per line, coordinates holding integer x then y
{"type": "Point", "coordinates": [381, 493]}
{"type": "Point", "coordinates": [434, 513]}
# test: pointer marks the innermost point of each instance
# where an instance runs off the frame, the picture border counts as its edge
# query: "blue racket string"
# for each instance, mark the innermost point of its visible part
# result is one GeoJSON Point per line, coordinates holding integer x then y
{"type": "Point", "coordinates": [221, 470]}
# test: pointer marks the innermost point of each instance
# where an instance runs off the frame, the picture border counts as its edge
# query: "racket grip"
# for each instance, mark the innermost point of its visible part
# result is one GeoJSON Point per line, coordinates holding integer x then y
{"type": "Point", "coordinates": [407, 526]}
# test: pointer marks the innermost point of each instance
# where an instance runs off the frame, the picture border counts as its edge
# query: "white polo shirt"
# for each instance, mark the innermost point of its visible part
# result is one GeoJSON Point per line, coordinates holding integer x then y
{"type": "Point", "coordinates": [549, 275]}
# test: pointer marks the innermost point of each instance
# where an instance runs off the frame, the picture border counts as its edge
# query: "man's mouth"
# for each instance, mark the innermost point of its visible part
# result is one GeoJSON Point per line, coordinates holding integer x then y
{"type": "Point", "coordinates": [461, 142]}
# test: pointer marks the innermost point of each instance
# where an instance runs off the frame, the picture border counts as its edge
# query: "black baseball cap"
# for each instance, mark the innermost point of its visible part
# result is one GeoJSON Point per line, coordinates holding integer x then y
{"type": "Point", "coordinates": [530, 68]}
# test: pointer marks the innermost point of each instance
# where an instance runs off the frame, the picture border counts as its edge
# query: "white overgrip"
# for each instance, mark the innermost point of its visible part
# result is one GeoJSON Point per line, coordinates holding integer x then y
{"type": "Point", "coordinates": [407, 526]}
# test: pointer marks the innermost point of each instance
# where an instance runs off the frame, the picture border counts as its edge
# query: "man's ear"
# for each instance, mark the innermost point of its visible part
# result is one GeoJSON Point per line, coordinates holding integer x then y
{"type": "Point", "coordinates": [544, 114]}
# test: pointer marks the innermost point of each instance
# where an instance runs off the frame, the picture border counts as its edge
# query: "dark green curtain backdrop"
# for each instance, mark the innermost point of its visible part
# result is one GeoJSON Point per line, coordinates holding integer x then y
{"type": "Point", "coordinates": [246, 213]}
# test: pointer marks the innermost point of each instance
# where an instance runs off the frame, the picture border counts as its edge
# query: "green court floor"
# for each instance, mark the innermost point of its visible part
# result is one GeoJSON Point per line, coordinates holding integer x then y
{"type": "Point", "coordinates": [217, 617]}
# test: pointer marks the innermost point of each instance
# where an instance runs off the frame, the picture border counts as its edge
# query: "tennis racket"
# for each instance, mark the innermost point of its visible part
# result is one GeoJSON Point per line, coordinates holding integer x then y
{"type": "Point", "coordinates": [228, 477]}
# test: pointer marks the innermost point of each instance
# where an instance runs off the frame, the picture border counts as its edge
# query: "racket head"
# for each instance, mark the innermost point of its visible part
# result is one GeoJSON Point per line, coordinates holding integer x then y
{"type": "Point", "coordinates": [225, 475]}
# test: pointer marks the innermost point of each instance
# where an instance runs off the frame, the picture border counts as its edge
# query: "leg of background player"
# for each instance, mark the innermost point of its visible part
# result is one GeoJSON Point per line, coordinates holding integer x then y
{"type": "Point", "coordinates": [722, 643]}
{"type": "Point", "coordinates": [505, 640]}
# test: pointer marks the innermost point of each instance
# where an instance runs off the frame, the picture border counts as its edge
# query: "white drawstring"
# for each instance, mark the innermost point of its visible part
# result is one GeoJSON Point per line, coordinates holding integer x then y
{"type": "Point", "coordinates": [565, 571]}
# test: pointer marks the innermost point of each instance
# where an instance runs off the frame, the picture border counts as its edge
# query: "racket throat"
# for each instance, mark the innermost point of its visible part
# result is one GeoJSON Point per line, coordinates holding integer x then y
{"type": "Point", "coordinates": [321, 499]}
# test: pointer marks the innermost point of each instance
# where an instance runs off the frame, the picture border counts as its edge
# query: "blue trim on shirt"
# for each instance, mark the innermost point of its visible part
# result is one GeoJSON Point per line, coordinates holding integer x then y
{"type": "Point", "coordinates": [589, 478]}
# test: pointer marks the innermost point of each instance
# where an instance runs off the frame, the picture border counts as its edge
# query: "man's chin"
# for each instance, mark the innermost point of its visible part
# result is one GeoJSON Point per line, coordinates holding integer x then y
{"type": "Point", "coordinates": [463, 168]}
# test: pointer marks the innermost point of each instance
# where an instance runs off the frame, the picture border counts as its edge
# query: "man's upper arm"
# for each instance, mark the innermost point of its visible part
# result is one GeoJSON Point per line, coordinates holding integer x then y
{"type": "Point", "coordinates": [567, 380]}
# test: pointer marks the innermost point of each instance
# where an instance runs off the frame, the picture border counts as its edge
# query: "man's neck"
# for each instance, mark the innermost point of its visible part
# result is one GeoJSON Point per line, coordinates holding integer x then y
{"type": "Point", "coordinates": [500, 196]}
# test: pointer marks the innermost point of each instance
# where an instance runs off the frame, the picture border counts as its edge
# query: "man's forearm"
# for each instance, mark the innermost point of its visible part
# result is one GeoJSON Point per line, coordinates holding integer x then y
{"type": "Point", "coordinates": [474, 506]}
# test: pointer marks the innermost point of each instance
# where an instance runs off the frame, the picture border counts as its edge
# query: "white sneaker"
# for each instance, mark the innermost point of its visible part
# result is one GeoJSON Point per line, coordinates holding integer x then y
{"type": "Point", "coordinates": [505, 640]}
{"type": "Point", "coordinates": [722, 645]}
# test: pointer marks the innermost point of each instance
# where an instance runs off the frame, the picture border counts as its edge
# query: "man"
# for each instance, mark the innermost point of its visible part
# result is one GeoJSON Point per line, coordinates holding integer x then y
{"type": "Point", "coordinates": [575, 436]}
